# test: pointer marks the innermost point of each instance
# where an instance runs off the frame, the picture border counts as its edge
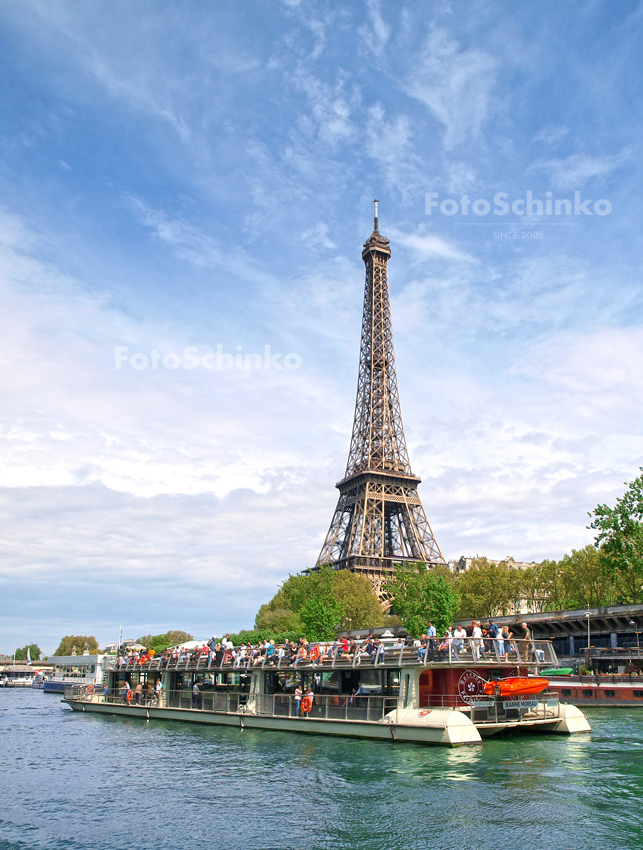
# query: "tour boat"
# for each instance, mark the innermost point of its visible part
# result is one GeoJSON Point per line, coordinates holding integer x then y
{"type": "Point", "coordinates": [78, 670]}
{"type": "Point", "coordinates": [401, 698]}
{"type": "Point", "coordinates": [16, 676]}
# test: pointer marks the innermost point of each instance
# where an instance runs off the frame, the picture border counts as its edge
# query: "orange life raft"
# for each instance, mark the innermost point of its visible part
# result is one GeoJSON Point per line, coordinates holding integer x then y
{"type": "Point", "coordinates": [516, 686]}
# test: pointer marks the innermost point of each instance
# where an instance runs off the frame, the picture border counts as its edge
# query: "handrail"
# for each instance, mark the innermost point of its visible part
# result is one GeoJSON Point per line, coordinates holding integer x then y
{"type": "Point", "coordinates": [475, 651]}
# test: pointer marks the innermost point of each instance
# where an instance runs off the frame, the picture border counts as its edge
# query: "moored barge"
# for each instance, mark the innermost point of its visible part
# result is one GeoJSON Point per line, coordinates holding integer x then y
{"type": "Point", "coordinates": [402, 697]}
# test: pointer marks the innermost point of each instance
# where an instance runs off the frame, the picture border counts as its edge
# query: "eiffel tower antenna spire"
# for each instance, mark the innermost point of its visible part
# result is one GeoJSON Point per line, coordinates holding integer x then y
{"type": "Point", "coordinates": [379, 519]}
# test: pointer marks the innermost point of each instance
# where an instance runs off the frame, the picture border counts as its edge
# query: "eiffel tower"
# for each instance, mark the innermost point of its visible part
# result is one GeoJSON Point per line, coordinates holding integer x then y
{"type": "Point", "coordinates": [379, 520]}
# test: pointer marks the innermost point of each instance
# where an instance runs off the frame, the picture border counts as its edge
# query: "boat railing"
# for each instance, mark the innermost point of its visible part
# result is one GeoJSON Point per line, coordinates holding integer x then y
{"type": "Point", "coordinates": [366, 707]}
{"type": "Point", "coordinates": [356, 707]}
{"type": "Point", "coordinates": [489, 709]}
{"type": "Point", "coordinates": [445, 651]}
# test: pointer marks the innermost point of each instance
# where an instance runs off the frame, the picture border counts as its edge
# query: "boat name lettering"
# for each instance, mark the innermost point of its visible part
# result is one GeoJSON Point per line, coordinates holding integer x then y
{"type": "Point", "coordinates": [520, 703]}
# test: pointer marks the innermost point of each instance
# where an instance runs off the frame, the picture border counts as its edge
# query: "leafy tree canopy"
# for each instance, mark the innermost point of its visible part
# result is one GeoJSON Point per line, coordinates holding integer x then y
{"type": "Point", "coordinates": [487, 589]}
{"type": "Point", "coordinates": [620, 538]}
{"type": "Point", "coordinates": [34, 651]}
{"type": "Point", "coordinates": [79, 641]}
{"type": "Point", "coordinates": [317, 604]}
{"type": "Point", "coordinates": [421, 594]}
{"type": "Point", "coordinates": [159, 643]}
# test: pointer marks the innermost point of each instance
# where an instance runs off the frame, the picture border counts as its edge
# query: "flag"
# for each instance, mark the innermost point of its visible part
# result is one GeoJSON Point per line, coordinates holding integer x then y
{"type": "Point", "coordinates": [28, 656]}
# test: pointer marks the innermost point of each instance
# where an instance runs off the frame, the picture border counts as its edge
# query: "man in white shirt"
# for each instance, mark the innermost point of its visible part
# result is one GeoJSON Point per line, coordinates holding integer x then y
{"type": "Point", "coordinates": [459, 635]}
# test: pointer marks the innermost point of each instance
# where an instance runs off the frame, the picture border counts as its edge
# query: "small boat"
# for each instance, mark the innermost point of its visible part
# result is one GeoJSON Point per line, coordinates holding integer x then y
{"type": "Point", "coordinates": [558, 671]}
{"type": "Point", "coordinates": [516, 686]}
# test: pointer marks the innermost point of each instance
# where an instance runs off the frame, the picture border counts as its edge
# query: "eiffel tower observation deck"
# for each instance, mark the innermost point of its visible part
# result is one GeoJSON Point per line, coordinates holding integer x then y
{"type": "Point", "coordinates": [379, 520]}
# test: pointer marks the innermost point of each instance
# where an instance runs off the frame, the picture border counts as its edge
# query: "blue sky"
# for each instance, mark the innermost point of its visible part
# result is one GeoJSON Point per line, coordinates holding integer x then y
{"type": "Point", "coordinates": [200, 175]}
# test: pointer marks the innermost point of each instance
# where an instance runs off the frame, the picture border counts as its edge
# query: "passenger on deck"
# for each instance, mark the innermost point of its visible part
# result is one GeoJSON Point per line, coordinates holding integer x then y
{"type": "Point", "coordinates": [298, 695]}
{"type": "Point", "coordinates": [422, 647]}
{"type": "Point", "coordinates": [459, 636]}
{"type": "Point", "coordinates": [138, 693]}
{"type": "Point", "coordinates": [325, 653]}
{"type": "Point", "coordinates": [379, 656]}
{"type": "Point", "coordinates": [476, 642]}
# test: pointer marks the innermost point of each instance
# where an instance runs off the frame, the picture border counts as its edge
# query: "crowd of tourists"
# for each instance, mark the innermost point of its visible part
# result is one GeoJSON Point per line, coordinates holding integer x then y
{"type": "Point", "coordinates": [480, 640]}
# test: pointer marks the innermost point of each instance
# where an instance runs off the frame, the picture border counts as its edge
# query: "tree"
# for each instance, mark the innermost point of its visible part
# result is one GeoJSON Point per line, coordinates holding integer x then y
{"type": "Point", "coordinates": [421, 594]}
{"type": "Point", "coordinates": [488, 590]}
{"type": "Point", "coordinates": [34, 651]}
{"type": "Point", "coordinates": [159, 643]}
{"type": "Point", "coordinates": [79, 641]}
{"type": "Point", "coordinates": [321, 617]}
{"type": "Point", "coordinates": [361, 604]}
{"type": "Point", "coordinates": [277, 620]}
{"type": "Point", "coordinates": [620, 539]}
{"type": "Point", "coordinates": [294, 608]}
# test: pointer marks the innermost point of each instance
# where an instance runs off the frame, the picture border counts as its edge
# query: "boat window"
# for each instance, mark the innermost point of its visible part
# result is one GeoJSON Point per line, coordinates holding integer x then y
{"type": "Point", "coordinates": [610, 693]}
{"type": "Point", "coordinates": [371, 682]}
{"type": "Point", "coordinates": [407, 690]}
{"type": "Point", "coordinates": [638, 693]}
{"type": "Point", "coordinates": [566, 692]}
{"type": "Point", "coordinates": [329, 683]}
{"type": "Point", "coordinates": [393, 688]}
{"type": "Point", "coordinates": [587, 693]}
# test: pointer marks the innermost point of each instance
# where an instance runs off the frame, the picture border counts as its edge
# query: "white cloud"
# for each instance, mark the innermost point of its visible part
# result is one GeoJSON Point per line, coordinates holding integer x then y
{"type": "Point", "coordinates": [377, 32]}
{"type": "Point", "coordinates": [456, 85]}
{"type": "Point", "coordinates": [577, 169]}
{"type": "Point", "coordinates": [390, 144]}
{"type": "Point", "coordinates": [427, 245]}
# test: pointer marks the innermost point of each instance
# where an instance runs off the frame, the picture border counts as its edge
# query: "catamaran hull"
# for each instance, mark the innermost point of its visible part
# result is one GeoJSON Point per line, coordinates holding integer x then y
{"type": "Point", "coordinates": [444, 728]}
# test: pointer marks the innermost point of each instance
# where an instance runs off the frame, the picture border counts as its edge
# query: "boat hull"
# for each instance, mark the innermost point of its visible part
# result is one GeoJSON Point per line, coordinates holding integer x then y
{"type": "Point", "coordinates": [442, 728]}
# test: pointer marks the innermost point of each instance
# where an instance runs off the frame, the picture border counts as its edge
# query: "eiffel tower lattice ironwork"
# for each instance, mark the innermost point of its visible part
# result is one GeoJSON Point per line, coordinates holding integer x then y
{"type": "Point", "coordinates": [379, 519]}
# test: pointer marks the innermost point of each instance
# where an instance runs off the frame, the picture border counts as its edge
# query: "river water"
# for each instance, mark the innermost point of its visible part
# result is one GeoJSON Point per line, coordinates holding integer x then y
{"type": "Point", "coordinates": [92, 782]}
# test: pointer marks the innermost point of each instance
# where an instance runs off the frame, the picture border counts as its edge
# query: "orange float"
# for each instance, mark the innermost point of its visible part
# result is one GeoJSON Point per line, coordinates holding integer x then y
{"type": "Point", "coordinates": [306, 704]}
{"type": "Point", "coordinates": [516, 686]}
{"type": "Point", "coordinates": [314, 653]}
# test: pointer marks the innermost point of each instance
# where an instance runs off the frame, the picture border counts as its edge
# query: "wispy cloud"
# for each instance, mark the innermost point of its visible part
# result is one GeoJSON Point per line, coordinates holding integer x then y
{"type": "Point", "coordinates": [578, 169]}
{"type": "Point", "coordinates": [456, 84]}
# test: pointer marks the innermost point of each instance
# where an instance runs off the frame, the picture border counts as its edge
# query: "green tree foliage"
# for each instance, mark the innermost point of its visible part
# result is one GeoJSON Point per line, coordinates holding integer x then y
{"type": "Point", "coordinates": [620, 539]}
{"type": "Point", "coordinates": [309, 604]}
{"type": "Point", "coordinates": [34, 651]}
{"type": "Point", "coordinates": [321, 616]}
{"type": "Point", "coordinates": [159, 643]}
{"type": "Point", "coordinates": [578, 579]}
{"type": "Point", "coordinates": [278, 620]}
{"type": "Point", "coordinates": [421, 594]}
{"type": "Point", "coordinates": [487, 589]}
{"type": "Point", "coordinates": [79, 641]}
{"type": "Point", "coordinates": [361, 604]}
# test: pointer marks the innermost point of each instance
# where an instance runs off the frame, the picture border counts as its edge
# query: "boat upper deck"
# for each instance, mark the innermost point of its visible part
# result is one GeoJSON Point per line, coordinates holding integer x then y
{"type": "Point", "coordinates": [532, 653]}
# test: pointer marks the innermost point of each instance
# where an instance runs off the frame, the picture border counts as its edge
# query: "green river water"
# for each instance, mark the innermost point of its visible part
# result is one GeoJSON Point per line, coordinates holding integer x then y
{"type": "Point", "coordinates": [84, 782]}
